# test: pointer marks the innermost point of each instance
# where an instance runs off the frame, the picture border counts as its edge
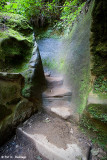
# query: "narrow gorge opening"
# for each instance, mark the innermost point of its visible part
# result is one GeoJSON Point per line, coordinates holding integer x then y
{"type": "Point", "coordinates": [53, 85]}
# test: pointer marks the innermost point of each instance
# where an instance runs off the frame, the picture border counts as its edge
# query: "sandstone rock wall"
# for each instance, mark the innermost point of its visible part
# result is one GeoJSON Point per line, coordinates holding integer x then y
{"type": "Point", "coordinates": [76, 49]}
{"type": "Point", "coordinates": [14, 108]}
{"type": "Point", "coordinates": [98, 47]}
{"type": "Point", "coordinates": [99, 38]}
{"type": "Point", "coordinates": [95, 114]}
{"type": "Point", "coordinates": [20, 93]}
{"type": "Point", "coordinates": [16, 42]}
{"type": "Point", "coordinates": [34, 76]}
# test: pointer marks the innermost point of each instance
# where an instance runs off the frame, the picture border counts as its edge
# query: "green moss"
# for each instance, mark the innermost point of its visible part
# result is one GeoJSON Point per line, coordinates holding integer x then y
{"type": "Point", "coordinates": [96, 130]}
{"type": "Point", "coordinates": [26, 91]}
{"type": "Point", "coordinates": [50, 64]}
{"type": "Point", "coordinates": [16, 42]}
{"type": "Point", "coordinates": [24, 66]}
{"type": "Point", "coordinates": [55, 64]}
{"type": "Point", "coordinates": [12, 47]}
{"type": "Point", "coordinates": [98, 40]}
{"type": "Point", "coordinates": [3, 36]}
{"type": "Point", "coordinates": [76, 47]}
{"type": "Point", "coordinates": [61, 67]}
{"type": "Point", "coordinates": [4, 112]}
{"type": "Point", "coordinates": [17, 22]}
{"type": "Point", "coordinates": [15, 34]}
{"type": "Point", "coordinates": [94, 119]}
{"type": "Point", "coordinates": [98, 111]}
{"type": "Point", "coordinates": [47, 33]}
{"type": "Point", "coordinates": [8, 91]}
{"type": "Point", "coordinates": [101, 48]}
{"type": "Point", "coordinates": [100, 85]}
{"type": "Point", "coordinates": [98, 65]}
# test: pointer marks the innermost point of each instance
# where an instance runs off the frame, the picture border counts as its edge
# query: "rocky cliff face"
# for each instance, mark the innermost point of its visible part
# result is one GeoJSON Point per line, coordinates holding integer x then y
{"type": "Point", "coordinates": [13, 107]}
{"type": "Point", "coordinates": [34, 75]}
{"type": "Point", "coordinates": [85, 54]}
{"type": "Point", "coordinates": [76, 48]}
{"type": "Point", "coordinates": [20, 93]}
{"type": "Point", "coordinates": [16, 41]}
{"type": "Point", "coordinates": [85, 66]}
{"type": "Point", "coordinates": [95, 113]}
{"type": "Point", "coordinates": [98, 42]}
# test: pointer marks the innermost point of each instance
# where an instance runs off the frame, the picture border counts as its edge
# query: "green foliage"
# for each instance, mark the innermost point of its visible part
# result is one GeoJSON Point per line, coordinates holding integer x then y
{"type": "Point", "coordinates": [98, 111]}
{"type": "Point", "coordinates": [47, 32]}
{"type": "Point", "coordinates": [96, 131]}
{"type": "Point", "coordinates": [30, 8]}
{"type": "Point", "coordinates": [26, 90]}
{"type": "Point", "coordinates": [16, 22]}
{"type": "Point", "coordinates": [54, 64]}
{"type": "Point", "coordinates": [50, 64]}
{"type": "Point", "coordinates": [94, 119]}
{"type": "Point", "coordinates": [61, 66]}
{"type": "Point", "coordinates": [38, 9]}
{"type": "Point", "coordinates": [69, 13]}
{"type": "Point", "coordinates": [100, 85]}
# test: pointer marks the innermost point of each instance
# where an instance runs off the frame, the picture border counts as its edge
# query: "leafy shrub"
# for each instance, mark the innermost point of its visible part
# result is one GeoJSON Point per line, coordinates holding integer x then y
{"type": "Point", "coordinates": [69, 13]}
{"type": "Point", "coordinates": [100, 85]}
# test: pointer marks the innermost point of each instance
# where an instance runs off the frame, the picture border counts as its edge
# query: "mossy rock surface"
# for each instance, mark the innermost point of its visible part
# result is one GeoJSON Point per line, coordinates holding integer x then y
{"type": "Point", "coordinates": [16, 22]}
{"type": "Point", "coordinates": [94, 119]}
{"type": "Point", "coordinates": [100, 86]}
{"type": "Point", "coordinates": [97, 111]}
{"type": "Point", "coordinates": [98, 38]}
{"type": "Point", "coordinates": [4, 112]}
{"type": "Point", "coordinates": [10, 88]}
{"type": "Point", "coordinates": [16, 41]}
{"type": "Point", "coordinates": [23, 110]}
{"type": "Point", "coordinates": [13, 107]}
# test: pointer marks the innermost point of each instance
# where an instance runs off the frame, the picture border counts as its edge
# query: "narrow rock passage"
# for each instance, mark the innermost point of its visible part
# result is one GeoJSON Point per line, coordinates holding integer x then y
{"type": "Point", "coordinates": [52, 134]}
{"type": "Point", "coordinates": [57, 98]}
{"type": "Point", "coordinates": [48, 132]}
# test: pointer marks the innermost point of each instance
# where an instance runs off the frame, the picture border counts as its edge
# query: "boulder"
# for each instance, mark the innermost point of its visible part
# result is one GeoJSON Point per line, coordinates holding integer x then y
{"type": "Point", "coordinates": [14, 108]}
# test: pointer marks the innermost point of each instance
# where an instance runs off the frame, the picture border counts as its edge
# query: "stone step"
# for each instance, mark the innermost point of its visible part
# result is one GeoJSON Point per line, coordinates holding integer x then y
{"type": "Point", "coordinates": [58, 107]}
{"type": "Point", "coordinates": [52, 137]}
{"type": "Point", "coordinates": [54, 81]}
{"type": "Point", "coordinates": [62, 111]}
{"type": "Point", "coordinates": [56, 92]}
{"type": "Point", "coordinates": [52, 101]}
{"type": "Point", "coordinates": [61, 107]}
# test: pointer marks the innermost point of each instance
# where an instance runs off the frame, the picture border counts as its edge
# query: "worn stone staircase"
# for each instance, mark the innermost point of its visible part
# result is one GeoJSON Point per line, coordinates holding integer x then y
{"type": "Point", "coordinates": [51, 131]}
{"type": "Point", "coordinates": [56, 99]}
